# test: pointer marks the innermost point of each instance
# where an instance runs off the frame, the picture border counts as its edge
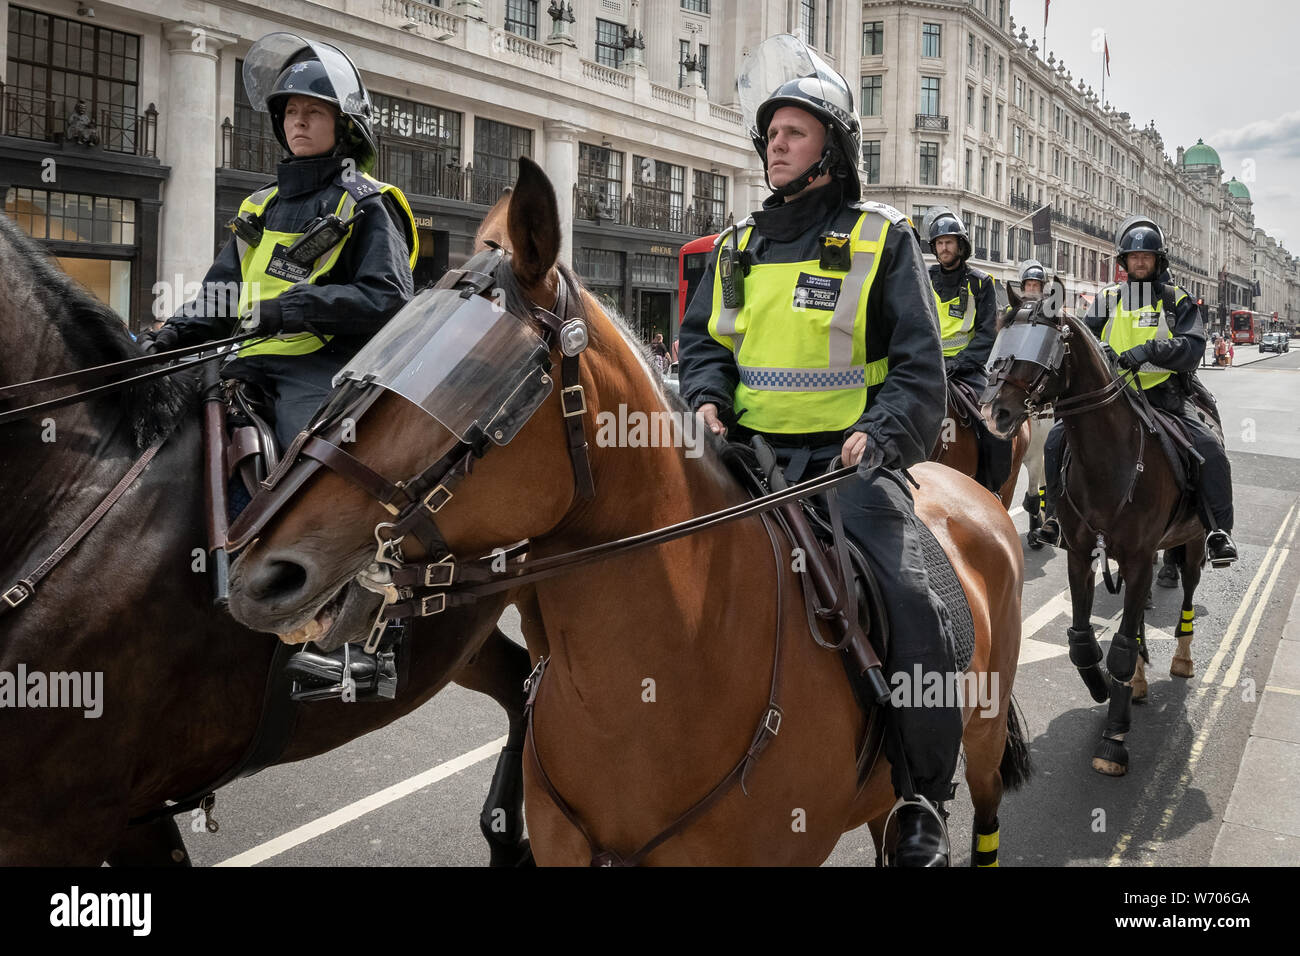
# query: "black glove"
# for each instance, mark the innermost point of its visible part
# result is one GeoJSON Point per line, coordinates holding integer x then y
{"type": "Point", "coordinates": [270, 318]}
{"type": "Point", "coordinates": [1135, 358]}
{"type": "Point", "coordinates": [164, 340]}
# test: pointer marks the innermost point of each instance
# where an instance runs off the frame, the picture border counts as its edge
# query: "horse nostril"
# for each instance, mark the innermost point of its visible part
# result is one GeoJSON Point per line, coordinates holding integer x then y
{"type": "Point", "coordinates": [278, 579]}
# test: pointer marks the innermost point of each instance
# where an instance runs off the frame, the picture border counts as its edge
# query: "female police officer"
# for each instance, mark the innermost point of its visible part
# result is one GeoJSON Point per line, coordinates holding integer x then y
{"type": "Point", "coordinates": [319, 260]}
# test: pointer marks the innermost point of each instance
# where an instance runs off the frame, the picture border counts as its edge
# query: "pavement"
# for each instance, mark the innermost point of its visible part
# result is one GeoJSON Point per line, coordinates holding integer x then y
{"type": "Point", "coordinates": [1261, 823]}
{"type": "Point", "coordinates": [1244, 355]}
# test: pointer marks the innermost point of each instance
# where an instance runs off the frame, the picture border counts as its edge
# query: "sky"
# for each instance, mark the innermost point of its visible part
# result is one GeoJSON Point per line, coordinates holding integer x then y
{"type": "Point", "coordinates": [1228, 73]}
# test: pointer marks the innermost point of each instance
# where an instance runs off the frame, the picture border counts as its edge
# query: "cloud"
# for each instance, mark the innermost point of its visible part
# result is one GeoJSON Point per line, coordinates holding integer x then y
{"type": "Point", "coordinates": [1283, 131]}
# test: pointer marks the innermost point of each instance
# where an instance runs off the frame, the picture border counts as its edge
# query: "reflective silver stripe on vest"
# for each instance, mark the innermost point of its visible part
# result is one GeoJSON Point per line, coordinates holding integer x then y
{"type": "Point", "coordinates": [802, 379]}
{"type": "Point", "coordinates": [846, 307]}
{"type": "Point", "coordinates": [727, 317]}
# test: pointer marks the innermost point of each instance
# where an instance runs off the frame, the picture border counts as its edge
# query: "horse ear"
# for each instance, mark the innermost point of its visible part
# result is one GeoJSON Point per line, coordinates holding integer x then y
{"type": "Point", "coordinates": [534, 224]}
{"type": "Point", "coordinates": [1013, 296]}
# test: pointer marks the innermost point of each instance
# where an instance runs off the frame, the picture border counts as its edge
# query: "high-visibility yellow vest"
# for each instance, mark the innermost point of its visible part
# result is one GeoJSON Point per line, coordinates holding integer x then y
{"type": "Point", "coordinates": [1128, 328]}
{"type": "Point", "coordinates": [267, 272]}
{"type": "Point", "coordinates": [800, 336]}
{"type": "Point", "coordinates": [956, 318]}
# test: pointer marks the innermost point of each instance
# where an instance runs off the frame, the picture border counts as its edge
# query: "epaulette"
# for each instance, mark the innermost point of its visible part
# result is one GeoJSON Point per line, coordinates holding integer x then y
{"type": "Point", "coordinates": [884, 209]}
{"type": "Point", "coordinates": [358, 185]}
{"type": "Point", "coordinates": [722, 236]}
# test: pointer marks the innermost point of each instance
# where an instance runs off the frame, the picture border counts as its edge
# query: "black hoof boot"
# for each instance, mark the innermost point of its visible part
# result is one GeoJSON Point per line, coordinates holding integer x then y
{"type": "Point", "coordinates": [1219, 549]}
{"type": "Point", "coordinates": [1050, 532]}
{"type": "Point", "coordinates": [916, 835]}
{"type": "Point", "coordinates": [1031, 536]}
{"type": "Point", "coordinates": [1085, 654]}
{"type": "Point", "coordinates": [1167, 576]}
{"type": "Point", "coordinates": [1110, 757]}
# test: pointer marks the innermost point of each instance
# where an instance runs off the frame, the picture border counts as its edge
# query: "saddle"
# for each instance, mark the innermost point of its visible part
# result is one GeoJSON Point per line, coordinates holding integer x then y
{"type": "Point", "coordinates": [251, 450]}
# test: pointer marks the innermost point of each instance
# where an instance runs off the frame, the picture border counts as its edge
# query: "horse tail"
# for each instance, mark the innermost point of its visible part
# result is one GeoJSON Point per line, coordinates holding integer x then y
{"type": "Point", "coordinates": [1016, 768]}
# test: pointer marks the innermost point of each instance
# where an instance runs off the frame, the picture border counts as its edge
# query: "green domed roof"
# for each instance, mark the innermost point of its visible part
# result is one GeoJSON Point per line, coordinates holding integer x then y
{"type": "Point", "coordinates": [1201, 155]}
{"type": "Point", "coordinates": [1238, 189]}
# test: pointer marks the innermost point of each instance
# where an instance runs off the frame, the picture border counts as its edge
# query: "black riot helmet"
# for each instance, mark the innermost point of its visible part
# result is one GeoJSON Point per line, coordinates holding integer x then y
{"type": "Point", "coordinates": [942, 221]}
{"type": "Point", "coordinates": [784, 72]}
{"type": "Point", "coordinates": [1031, 270]}
{"type": "Point", "coordinates": [281, 65]}
{"type": "Point", "coordinates": [1141, 234]}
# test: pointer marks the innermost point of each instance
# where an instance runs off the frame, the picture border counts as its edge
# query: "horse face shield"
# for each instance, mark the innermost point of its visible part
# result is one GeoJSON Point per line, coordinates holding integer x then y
{"type": "Point", "coordinates": [475, 368]}
{"type": "Point", "coordinates": [1036, 344]}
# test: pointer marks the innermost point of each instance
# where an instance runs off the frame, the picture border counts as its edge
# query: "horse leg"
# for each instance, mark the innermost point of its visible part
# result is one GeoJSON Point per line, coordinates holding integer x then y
{"type": "Point", "coordinates": [1192, 553]}
{"type": "Point", "coordinates": [151, 844]}
{"type": "Point", "coordinates": [1085, 652]}
{"type": "Point", "coordinates": [498, 669]}
{"type": "Point", "coordinates": [1126, 649]}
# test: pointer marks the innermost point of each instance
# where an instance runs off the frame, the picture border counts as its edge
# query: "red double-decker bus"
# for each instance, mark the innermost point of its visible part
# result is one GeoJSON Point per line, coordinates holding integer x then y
{"type": "Point", "coordinates": [692, 260]}
{"type": "Point", "coordinates": [1247, 327]}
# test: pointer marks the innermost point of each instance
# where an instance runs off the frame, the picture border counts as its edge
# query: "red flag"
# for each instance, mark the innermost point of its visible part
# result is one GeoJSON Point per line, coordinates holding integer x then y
{"type": "Point", "coordinates": [1047, 6]}
{"type": "Point", "coordinates": [1107, 57]}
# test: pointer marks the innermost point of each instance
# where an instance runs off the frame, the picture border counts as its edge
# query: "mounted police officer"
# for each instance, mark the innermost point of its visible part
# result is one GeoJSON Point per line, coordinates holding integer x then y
{"type": "Point", "coordinates": [814, 326]}
{"type": "Point", "coordinates": [321, 258]}
{"type": "Point", "coordinates": [966, 298]}
{"type": "Point", "coordinates": [1156, 329]}
{"type": "Point", "coordinates": [1032, 282]}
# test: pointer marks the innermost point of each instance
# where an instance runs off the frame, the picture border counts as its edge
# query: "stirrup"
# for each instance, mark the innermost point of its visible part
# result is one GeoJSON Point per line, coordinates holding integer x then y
{"type": "Point", "coordinates": [1049, 532]}
{"type": "Point", "coordinates": [382, 686]}
{"type": "Point", "coordinates": [888, 846]}
{"type": "Point", "coordinates": [1221, 562]}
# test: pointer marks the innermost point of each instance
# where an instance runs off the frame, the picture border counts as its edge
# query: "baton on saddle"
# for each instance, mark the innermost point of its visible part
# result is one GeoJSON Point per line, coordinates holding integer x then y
{"type": "Point", "coordinates": [214, 483]}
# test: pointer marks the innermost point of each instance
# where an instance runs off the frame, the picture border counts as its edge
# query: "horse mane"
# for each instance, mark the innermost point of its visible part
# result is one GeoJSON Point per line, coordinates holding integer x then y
{"type": "Point", "coordinates": [92, 333]}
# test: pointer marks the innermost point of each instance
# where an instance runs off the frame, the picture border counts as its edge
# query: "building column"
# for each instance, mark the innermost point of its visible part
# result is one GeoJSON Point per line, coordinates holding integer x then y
{"type": "Point", "coordinates": [561, 165]}
{"type": "Point", "coordinates": [190, 146]}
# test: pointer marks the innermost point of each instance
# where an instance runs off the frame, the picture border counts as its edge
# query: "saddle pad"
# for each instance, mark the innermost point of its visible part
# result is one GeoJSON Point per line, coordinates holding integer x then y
{"type": "Point", "coordinates": [944, 583]}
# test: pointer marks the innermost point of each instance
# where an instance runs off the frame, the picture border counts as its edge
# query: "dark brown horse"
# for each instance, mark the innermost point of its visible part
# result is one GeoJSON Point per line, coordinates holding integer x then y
{"type": "Point", "coordinates": [1121, 500]}
{"type": "Point", "coordinates": [660, 661]}
{"type": "Point", "coordinates": [181, 684]}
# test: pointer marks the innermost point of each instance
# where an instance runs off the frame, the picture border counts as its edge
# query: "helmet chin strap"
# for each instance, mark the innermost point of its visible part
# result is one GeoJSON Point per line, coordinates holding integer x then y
{"type": "Point", "coordinates": [803, 180]}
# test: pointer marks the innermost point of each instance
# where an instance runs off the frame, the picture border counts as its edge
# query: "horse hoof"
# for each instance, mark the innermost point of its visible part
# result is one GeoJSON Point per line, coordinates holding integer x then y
{"type": "Point", "coordinates": [1110, 757]}
{"type": "Point", "coordinates": [1031, 538]}
{"type": "Point", "coordinates": [1139, 692]}
{"type": "Point", "coordinates": [1182, 667]}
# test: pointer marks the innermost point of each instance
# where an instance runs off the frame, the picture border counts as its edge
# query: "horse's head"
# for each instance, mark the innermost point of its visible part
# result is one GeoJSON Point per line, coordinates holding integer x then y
{"type": "Point", "coordinates": [460, 380]}
{"type": "Point", "coordinates": [1028, 366]}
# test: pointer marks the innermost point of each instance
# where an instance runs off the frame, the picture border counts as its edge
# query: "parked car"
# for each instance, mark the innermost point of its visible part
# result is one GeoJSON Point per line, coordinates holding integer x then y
{"type": "Point", "coordinates": [1275, 342]}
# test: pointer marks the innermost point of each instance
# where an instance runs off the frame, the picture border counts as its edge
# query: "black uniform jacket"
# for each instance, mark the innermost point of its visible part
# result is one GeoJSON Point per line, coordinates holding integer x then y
{"type": "Point", "coordinates": [905, 412]}
{"type": "Point", "coordinates": [369, 283]}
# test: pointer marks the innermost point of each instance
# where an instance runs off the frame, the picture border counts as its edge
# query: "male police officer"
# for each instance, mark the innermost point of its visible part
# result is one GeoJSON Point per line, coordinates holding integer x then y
{"type": "Point", "coordinates": [1156, 328]}
{"type": "Point", "coordinates": [968, 325]}
{"type": "Point", "coordinates": [814, 326]}
{"type": "Point", "coordinates": [321, 259]}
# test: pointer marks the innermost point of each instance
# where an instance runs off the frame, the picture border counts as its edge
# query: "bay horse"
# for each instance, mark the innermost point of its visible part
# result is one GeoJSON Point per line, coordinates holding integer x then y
{"type": "Point", "coordinates": [958, 446]}
{"type": "Point", "coordinates": [182, 683]}
{"type": "Point", "coordinates": [658, 662]}
{"type": "Point", "coordinates": [1121, 499]}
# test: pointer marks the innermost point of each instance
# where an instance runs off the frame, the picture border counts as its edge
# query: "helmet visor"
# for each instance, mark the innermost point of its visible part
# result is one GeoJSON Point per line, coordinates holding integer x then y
{"type": "Point", "coordinates": [781, 60]}
{"type": "Point", "coordinates": [274, 52]}
{"type": "Point", "coordinates": [474, 367]}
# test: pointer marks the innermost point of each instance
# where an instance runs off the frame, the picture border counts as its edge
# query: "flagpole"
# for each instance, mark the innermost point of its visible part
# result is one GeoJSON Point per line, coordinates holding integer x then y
{"type": "Point", "coordinates": [1104, 66]}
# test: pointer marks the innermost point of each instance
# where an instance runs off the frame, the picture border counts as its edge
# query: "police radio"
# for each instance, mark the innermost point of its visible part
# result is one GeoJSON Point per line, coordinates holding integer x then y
{"type": "Point", "coordinates": [732, 266]}
{"type": "Point", "coordinates": [322, 235]}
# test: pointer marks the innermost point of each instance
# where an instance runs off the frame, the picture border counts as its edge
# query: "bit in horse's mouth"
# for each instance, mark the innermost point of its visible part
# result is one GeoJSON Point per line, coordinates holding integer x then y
{"type": "Point", "coordinates": [320, 624]}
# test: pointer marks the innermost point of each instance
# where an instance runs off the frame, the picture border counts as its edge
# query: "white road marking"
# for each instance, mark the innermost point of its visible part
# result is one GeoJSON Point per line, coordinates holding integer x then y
{"type": "Point", "coordinates": [332, 821]}
{"type": "Point", "coordinates": [1234, 672]}
{"type": "Point", "coordinates": [1211, 672]}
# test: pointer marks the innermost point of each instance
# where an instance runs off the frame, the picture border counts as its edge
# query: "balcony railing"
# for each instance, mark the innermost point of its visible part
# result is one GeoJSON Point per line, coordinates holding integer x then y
{"type": "Point", "coordinates": [31, 114]}
{"type": "Point", "coordinates": [931, 121]}
{"type": "Point", "coordinates": [1023, 203]}
{"type": "Point", "coordinates": [591, 204]}
{"type": "Point", "coordinates": [251, 150]}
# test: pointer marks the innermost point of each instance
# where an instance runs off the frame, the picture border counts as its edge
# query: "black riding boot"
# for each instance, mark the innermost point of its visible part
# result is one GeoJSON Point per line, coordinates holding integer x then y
{"type": "Point", "coordinates": [1053, 452]}
{"type": "Point", "coordinates": [347, 673]}
{"type": "Point", "coordinates": [922, 836]}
